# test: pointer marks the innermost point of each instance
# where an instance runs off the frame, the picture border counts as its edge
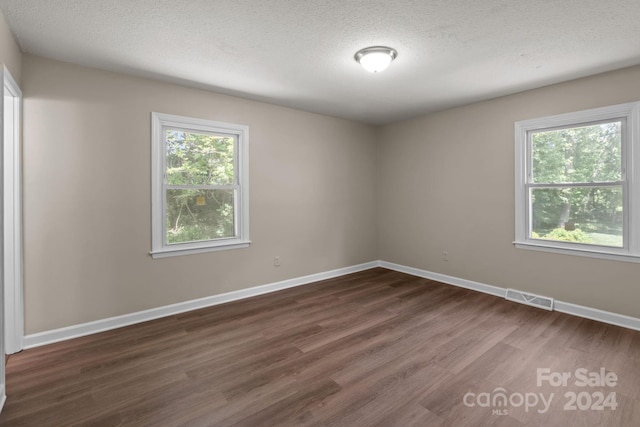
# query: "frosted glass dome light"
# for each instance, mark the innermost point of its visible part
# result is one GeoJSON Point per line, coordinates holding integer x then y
{"type": "Point", "coordinates": [376, 58]}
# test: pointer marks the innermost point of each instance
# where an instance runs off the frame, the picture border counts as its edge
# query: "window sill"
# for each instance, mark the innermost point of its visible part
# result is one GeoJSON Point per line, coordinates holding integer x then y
{"type": "Point", "coordinates": [170, 252]}
{"type": "Point", "coordinates": [612, 256]}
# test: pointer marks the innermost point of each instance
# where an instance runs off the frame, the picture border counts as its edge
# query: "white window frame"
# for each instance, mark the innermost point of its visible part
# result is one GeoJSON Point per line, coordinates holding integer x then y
{"type": "Point", "coordinates": [629, 113]}
{"type": "Point", "coordinates": [159, 123]}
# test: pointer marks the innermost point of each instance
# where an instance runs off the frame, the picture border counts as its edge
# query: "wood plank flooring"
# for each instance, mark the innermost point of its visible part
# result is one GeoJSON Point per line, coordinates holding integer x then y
{"type": "Point", "coordinates": [375, 348]}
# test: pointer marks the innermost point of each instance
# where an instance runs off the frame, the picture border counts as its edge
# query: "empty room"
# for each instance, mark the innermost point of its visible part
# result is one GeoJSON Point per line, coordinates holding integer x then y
{"type": "Point", "coordinates": [320, 213]}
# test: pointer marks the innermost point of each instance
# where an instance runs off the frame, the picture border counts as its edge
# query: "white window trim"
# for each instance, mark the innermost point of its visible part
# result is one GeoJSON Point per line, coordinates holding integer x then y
{"type": "Point", "coordinates": [160, 121]}
{"type": "Point", "coordinates": [631, 154]}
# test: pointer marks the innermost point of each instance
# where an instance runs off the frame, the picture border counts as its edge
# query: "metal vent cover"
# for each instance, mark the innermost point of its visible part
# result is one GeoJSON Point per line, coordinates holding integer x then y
{"type": "Point", "coordinates": [529, 299]}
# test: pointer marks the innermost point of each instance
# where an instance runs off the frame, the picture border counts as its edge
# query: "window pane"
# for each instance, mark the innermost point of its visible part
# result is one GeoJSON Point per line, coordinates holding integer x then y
{"type": "Point", "coordinates": [579, 154]}
{"type": "Point", "coordinates": [590, 215]}
{"type": "Point", "coordinates": [199, 159]}
{"type": "Point", "coordinates": [195, 215]}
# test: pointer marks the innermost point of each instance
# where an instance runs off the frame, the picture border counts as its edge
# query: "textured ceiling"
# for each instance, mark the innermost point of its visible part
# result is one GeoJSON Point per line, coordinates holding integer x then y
{"type": "Point", "coordinates": [299, 53]}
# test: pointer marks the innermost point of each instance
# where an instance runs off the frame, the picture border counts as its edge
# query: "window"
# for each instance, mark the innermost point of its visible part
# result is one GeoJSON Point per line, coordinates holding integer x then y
{"type": "Point", "coordinates": [578, 183]}
{"type": "Point", "coordinates": [200, 198]}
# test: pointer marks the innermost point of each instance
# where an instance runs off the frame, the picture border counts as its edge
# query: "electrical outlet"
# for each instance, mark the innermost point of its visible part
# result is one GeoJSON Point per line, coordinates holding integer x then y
{"type": "Point", "coordinates": [276, 261]}
{"type": "Point", "coordinates": [445, 256]}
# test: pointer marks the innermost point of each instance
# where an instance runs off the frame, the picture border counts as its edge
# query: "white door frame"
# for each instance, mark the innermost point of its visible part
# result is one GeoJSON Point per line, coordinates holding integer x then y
{"type": "Point", "coordinates": [12, 224]}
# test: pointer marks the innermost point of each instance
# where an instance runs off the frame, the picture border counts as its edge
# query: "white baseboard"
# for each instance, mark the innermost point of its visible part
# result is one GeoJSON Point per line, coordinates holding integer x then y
{"type": "Point", "coordinates": [75, 331]}
{"type": "Point", "coordinates": [450, 280]}
{"type": "Point", "coordinates": [561, 306]}
{"type": "Point", "coordinates": [596, 314]}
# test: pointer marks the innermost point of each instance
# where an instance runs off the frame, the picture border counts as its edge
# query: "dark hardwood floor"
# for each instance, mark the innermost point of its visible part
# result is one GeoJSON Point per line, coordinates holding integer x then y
{"type": "Point", "coordinates": [376, 348]}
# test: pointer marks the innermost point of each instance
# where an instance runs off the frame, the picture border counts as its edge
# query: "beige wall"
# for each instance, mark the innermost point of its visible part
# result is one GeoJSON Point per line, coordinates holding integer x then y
{"type": "Point", "coordinates": [447, 184]}
{"type": "Point", "coordinates": [87, 207]}
{"type": "Point", "coordinates": [325, 193]}
{"type": "Point", "coordinates": [9, 50]}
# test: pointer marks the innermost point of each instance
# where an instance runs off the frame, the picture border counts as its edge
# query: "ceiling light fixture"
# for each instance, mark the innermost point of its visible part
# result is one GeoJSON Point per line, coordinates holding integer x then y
{"type": "Point", "coordinates": [376, 58]}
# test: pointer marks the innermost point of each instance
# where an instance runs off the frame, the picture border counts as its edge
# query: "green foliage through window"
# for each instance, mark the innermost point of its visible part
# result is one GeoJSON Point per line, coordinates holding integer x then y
{"type": "Point", "coordinates": [588, 160]}
{"type": "Point", "coordinates": [561, 234]}
{"type": "Point", "coordinates": [200, 178]}
{"type": "Point", "coordinates": [580, 154]}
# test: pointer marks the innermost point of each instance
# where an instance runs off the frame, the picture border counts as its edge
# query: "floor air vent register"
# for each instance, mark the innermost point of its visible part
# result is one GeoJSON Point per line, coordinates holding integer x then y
{"type": "Point", "coordinates": [529, 299]}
